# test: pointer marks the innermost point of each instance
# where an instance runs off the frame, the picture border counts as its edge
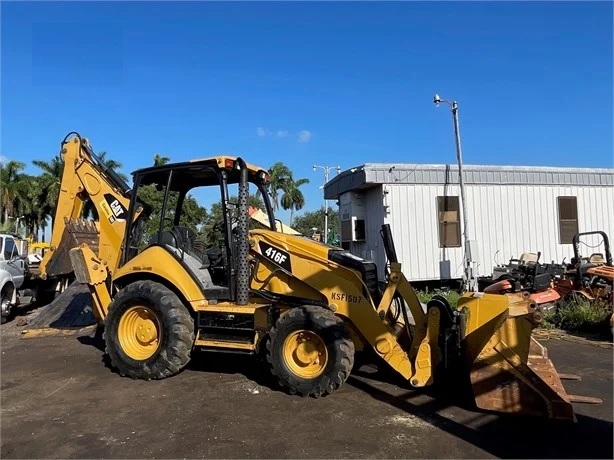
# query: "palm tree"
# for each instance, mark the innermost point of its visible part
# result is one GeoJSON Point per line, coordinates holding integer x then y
{"type": "Point", "coordinates": [49, 183]}
{"type": "Point", "coordinates": [293, 199]}
{"type": "Point", "coordinates": [160, 160]}
{"type": "Point", "coordinates": [112, 164]}
{"type": "Point", "coordinates": [51, 179]}
{"type": "Point", "coordinates": [10, 178]}
{"type": "Point", "coordinates": [28, 204]}
{"type": "Point", "coordinates": [280, 175]}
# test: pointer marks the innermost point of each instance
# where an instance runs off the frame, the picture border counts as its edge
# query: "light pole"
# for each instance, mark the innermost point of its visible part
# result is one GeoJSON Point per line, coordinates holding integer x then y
{"type": "Point", "coordinates": [326, 171]}
{"type": "Point", "coordinates": [17, 223]}
{"type": "Point", "coordinates": [469, 279]}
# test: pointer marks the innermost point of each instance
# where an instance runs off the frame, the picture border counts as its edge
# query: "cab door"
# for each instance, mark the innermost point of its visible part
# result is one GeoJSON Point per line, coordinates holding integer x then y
{"type": "Point", "coordinates": [13, 263]}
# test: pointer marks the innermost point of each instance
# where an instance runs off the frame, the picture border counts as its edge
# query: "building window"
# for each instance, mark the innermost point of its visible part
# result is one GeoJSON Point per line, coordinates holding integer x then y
{"type": "Point", "coordinates": [353, 230]}
{"type": "Point", "coordinates": [360, 233]}
{"type": "Point", "coordinates": [448, 212]}
{"type": "Point", "coordinates": [568, 218]}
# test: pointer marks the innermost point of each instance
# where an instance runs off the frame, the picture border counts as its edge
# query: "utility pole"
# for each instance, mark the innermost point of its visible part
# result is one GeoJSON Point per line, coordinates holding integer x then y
{"type": "Point", "coordinates": [469, 281]}
{"type": "Point", "coordinates": [326, 171]}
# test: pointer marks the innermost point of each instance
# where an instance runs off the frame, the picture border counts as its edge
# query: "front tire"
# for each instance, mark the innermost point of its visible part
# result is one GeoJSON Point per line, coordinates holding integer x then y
{"type": "Point", "coordinates": [310, 351]}
{"type": "Point", "coordinates": [5, 308]}
{"type": "Point", "coordinates": [148, 332]}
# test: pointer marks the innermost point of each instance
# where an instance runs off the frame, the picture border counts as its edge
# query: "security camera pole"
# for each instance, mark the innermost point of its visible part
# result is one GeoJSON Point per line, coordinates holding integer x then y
{"type": "Point", "coordinates": [469, 281]}
{"type": "Point", "coordinates": [326, 170]}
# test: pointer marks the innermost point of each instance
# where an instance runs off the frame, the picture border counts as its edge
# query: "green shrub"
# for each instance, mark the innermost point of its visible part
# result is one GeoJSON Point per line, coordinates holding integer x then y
{"type": "Point", "coordinates": [451, 296]}
{"type": "Point", "coordinates": [581, 315]}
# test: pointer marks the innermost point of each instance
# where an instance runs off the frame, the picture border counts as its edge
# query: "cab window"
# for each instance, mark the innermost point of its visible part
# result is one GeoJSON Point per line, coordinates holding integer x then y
{"type": "Point", "coordinates": [9, 249]}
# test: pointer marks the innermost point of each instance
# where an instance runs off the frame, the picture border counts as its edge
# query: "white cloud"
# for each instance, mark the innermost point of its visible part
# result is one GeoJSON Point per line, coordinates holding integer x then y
{"type": "Point", "coordinates": [304, 136]}
{"type": "Point", "coordinates": [3, 159]}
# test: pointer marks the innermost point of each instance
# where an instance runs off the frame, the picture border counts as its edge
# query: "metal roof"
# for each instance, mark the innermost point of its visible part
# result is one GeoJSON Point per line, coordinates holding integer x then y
{"type": "Point", "coordinates": [370, 174]}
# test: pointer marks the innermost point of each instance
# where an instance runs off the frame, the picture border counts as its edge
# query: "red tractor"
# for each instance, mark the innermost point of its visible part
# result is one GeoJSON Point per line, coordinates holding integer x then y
{"type": "Point", "coordinates": [591, 277]}
{"type": "Point", "coordinates": [530, 280]}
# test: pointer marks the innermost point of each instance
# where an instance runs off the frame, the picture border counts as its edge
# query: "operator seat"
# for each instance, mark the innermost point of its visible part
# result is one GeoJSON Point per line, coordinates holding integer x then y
{"type": "Point", "coordinates": [597, 259]}
{"type": "Point", "coordinates": [180, 244]}
{"type": "Point", "coordinates": [528, 257]}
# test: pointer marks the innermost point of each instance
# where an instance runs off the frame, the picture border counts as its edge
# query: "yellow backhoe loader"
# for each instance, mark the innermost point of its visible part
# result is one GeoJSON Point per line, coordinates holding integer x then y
{"type": "Point", "coordinates": [162, 293]}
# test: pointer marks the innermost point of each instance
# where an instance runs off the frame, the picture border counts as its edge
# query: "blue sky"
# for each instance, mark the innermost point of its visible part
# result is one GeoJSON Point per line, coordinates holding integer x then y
{"type": "Point", "coordinates": [188, 80]}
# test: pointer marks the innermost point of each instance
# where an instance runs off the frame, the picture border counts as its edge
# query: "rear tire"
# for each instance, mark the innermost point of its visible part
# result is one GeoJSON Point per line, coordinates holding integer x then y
{"type": "Point", "coordinates": [310, 351]}
{"type": "Point", "coordinates": [148, 332]}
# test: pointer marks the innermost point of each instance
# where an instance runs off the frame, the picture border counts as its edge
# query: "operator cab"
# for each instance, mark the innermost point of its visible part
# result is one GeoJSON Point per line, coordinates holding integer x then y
{"type": "Point", "coordinates": [204, 242]}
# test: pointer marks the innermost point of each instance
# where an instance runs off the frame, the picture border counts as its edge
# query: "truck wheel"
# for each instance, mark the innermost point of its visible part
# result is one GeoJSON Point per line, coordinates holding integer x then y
{"type": "Point", "coordinates": [5, 308]}
{"type": "Point", "coordinates": [148, 332]}
{"type": "Point", "coordinates": [310, 351]}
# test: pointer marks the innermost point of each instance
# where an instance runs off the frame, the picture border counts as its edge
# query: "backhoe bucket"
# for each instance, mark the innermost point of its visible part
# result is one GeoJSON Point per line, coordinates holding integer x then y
{"type": "Point", "coordinates": [509, 370]}
{"type": "Point", "coordinates": [77, 232]}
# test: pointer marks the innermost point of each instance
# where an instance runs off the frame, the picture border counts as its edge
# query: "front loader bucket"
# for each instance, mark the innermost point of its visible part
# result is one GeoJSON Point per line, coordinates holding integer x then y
{"type": "Point", "coordinates": [509, 370]}
{"type": "Point", "coordinates": [76, 232]}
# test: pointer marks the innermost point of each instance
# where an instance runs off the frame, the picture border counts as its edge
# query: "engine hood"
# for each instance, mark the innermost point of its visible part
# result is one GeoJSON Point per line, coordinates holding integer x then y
{"type": "Point", "coordinates": [292, 242]}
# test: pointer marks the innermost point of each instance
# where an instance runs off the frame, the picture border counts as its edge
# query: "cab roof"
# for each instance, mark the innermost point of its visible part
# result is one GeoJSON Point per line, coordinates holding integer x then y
{"type": "Point", "coordinates": [226, 162]}
{"type": "Point", "coordinates": [199, 172]}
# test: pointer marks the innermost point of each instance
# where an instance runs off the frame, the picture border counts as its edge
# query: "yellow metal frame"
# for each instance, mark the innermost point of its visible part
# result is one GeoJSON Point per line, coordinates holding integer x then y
{"type": "Point", "coordinates": [82, 180]}
{"type": "Point", "coordinates": [343, 290]}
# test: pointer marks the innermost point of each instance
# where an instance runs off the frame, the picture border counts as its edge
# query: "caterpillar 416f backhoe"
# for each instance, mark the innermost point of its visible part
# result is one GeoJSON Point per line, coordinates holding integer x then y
{"type": "Point", "coordinates": [161, 293]}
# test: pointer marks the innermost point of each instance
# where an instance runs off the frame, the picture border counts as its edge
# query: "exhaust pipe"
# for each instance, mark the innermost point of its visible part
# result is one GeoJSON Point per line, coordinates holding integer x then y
{"type": "Point", "coordinates": [242, 244]}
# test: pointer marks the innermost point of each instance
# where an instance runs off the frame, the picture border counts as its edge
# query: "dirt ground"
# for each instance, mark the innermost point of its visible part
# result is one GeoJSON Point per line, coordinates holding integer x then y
{"type": "Point", "coordinates": [59, 400]}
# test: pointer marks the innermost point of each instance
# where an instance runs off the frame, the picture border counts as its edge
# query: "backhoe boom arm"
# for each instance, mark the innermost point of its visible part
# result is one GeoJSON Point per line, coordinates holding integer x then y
{"type": "Point", "coordinates": [85, 178]}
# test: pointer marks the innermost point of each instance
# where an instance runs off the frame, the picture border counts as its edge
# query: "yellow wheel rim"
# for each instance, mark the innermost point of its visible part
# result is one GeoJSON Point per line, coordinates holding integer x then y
{"type": "Point", "coordinates": [305, 354]}
{"type": "Point", "coordinates": [139, 332]}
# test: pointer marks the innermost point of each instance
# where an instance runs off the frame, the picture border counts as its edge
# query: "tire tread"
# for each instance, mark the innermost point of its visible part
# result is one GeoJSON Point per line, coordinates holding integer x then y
{"type": "Point", "coordinates": [330, 381]}
{"type": "Point", "coordinates": [172, 359]}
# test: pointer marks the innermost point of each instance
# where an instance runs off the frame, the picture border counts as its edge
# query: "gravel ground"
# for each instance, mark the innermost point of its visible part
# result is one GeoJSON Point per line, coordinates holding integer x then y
{"type": "Point", "coordinates": [59, 400]}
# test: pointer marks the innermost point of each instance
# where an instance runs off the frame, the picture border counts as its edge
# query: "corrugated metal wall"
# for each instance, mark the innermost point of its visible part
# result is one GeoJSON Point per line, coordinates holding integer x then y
{"type": "Point", "coordinates": [372, 248]}
{"type": "Point", "coordinates": [510, 219]}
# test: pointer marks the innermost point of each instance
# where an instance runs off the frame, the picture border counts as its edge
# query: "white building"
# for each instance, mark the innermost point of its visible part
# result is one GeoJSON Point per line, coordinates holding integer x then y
{"type": "Point", "coordinates": [511, 210]}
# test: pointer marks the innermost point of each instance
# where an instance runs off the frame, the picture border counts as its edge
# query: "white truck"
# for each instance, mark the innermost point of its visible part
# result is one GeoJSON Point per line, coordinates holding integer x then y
{"type": "Point", "coordinates": [13, 271]}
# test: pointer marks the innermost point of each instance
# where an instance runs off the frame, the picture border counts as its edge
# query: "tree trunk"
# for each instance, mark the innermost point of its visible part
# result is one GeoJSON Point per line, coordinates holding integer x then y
{"type": "Point", "coordinates": [291, 216]}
